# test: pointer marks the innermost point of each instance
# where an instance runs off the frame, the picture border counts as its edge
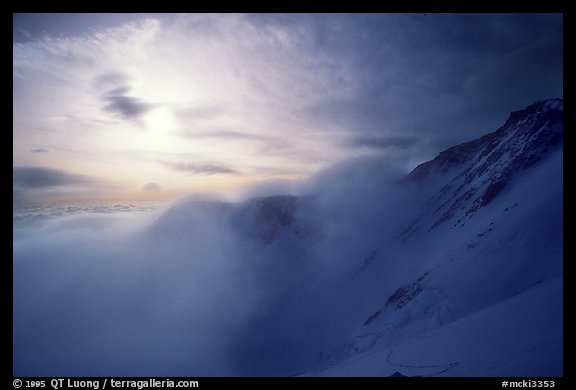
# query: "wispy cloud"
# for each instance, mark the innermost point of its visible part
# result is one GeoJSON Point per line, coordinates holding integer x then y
{"type": "Point", "coordinates": [112, 81]}
{"type": "Point", "coordinates": [40, 150]}
{"type": "Point", "coordinates": [201, 168]}
{"type": "Point", "coordinates": [249, 90]}
{"type": "Point", "coordinates": [268, 143]}
{"type": "Point", "coordinates": [205, 112]}
{"type": "Point", "coordinates": [154, 187]}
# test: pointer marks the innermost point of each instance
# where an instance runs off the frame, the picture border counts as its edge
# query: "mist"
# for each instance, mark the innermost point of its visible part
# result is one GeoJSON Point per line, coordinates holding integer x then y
{"type": "Point", "coordinates": [194, 288]}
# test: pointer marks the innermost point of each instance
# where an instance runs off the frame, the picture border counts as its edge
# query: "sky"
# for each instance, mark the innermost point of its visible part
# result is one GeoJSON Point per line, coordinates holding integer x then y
{"type": "Point", "coordinates": [154, 106]}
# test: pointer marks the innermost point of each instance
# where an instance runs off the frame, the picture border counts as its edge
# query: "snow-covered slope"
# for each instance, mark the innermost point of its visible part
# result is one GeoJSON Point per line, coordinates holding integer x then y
{"type": "Point", "coordinates": [482, 292]}
{"type": "Point", "coordinates": [476, 172]}
{"type": "Point", "coordinates": [453, 270]}
{"type": "Point", "coordinates": [493, 341]}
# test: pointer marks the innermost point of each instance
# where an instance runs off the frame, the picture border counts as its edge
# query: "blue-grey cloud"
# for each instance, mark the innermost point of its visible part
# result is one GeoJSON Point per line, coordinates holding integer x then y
{"type": "Point", "coordinates": [441, 76]}
{"type": "Point", "coordinates": [120, 91]}
{"type": "Point", "coordinates": [40, 150]}
{"type": "Point", "coordinates": [38, 178]}
{"type": "Point", "coordinates": [38, 184]}
{"type": "Point", "coordinates": [116, 88]}
{"type": "Point", "coordinates": [201, 168]}
{"type": "Point", "coordinates": [127, 106]}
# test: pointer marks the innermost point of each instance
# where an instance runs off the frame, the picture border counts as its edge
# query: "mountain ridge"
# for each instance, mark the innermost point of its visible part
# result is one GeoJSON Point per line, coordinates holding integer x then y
{"type": "Point", "coordinates": [461, 153]}
{"type": "Point", "coordinates": [488, 163]}
{"type": "Point", "coordinates": [491, 186]}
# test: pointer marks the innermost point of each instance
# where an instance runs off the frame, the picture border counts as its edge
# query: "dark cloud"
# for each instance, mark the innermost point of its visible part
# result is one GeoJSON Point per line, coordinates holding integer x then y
{"type": "Point", "coordinates": [440, 75]}
{"type": "Point", "coordinates": [201, 169]}
{"type": "Point", "coordinates": [120, 91]}
{"type": "Point", "coordinates": [127, 106]}
{"type": "Point", "coordinates": [436, 76]}
{"type": "Point", "coordinates": [38, 184]}
{"type": "Point", "coordinates": [38, 178]}
{"type": "Point", "coordinates": [40, 150]}
{"type": "Point", "coordinates": [114, 89]}
{"type": "Point", "coordinates": [154, 187]}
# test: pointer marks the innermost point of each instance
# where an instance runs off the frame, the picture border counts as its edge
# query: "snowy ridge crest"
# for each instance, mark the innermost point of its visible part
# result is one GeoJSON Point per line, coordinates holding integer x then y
{"type": "Point", "coordinates": [485, 166]}
{"type": "Point", "coordinates": [456, 288]}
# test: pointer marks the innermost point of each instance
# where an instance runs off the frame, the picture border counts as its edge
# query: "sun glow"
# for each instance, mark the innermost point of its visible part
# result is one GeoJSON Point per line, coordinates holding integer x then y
{"type": "Point", "coordinates": [197, 102]}
{"type": "Point", "coordinates": [160, 131]}
{"type": "Point", "coordinates": [161, 120]}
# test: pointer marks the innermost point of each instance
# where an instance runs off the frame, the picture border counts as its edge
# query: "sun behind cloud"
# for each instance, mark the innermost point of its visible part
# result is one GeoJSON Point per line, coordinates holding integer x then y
{"type": "Point", "coordinates": [241, 99]}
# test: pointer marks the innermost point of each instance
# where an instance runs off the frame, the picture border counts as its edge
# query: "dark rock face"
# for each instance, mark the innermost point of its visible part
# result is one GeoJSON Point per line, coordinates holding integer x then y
{"type": "Point", "coordinates": [543, 119]}
{"type": "Point", "coordinates": [401, 297]}
{"type": "Point", "coordinates": [404, 295]}
{"type": "Point", "coordinates": [484, 167]}
{"type": "Point", "coordinates": [272, 213]}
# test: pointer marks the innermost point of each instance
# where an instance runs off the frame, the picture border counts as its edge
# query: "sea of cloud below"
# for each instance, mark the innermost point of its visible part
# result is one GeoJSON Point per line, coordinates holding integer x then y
{"type": "Point", "coordinates": [186, 288]}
